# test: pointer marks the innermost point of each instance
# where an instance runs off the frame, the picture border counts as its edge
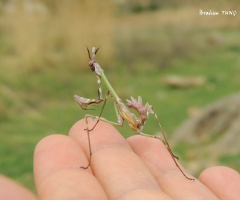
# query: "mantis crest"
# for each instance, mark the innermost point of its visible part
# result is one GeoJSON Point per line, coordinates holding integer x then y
{"type": "Point", "coordinates": [122, 110]}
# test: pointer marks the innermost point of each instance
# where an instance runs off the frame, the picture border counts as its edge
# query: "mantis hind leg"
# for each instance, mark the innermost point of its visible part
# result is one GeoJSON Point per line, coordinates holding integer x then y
{"type": "Point", "coordinates": [164, 140]}
{"type": "Point", "coordinates": [169, 150]}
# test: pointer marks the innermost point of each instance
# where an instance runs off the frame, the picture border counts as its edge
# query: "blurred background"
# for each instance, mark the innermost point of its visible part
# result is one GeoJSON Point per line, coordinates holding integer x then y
{"type": "Point", "coordinates": [185, 64]}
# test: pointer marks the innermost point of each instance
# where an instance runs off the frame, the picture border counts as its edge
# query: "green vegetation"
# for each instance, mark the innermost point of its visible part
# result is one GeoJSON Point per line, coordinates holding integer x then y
{"type": "Point", "coordinates": [38, 81]}
{"type": "Point", "coordinates": [233, 160]}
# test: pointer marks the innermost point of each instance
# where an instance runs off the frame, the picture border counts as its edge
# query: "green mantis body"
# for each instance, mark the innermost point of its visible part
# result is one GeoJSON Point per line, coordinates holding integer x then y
{"type": "Point", "coordinates": [122, 110]}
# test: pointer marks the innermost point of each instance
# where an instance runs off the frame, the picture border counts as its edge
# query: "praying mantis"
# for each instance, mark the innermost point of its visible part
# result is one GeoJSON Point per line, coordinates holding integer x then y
{"type": "Point", "coordinates": [122, 110]}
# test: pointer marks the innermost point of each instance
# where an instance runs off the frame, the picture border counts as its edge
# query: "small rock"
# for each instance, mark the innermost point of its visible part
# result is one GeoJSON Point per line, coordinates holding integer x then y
{"type": "Point", "coordinates": [183, 81]}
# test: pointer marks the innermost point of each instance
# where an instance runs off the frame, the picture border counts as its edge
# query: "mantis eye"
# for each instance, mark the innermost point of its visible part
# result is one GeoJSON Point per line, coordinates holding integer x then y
{"type": "Point", "coordinates": [90, 64]}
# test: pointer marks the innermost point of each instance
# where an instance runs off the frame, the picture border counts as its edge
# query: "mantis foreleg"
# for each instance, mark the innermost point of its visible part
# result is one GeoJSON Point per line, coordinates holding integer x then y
{"type": "Point", "coordinates": [84, 102]}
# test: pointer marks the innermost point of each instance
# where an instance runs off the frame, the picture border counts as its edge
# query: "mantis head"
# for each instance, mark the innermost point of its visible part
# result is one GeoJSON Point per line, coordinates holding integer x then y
{"type": "Point", "coordinates": [93, 58]}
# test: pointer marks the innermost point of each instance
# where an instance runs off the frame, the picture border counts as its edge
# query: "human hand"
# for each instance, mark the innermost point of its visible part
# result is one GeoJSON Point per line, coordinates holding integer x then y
{"type": "Point", "coordinates": [136, 168]}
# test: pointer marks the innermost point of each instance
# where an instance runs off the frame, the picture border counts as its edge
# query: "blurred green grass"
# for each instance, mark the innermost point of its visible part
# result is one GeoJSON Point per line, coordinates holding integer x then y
{"type": "Point", "coordinates": [37, 92]}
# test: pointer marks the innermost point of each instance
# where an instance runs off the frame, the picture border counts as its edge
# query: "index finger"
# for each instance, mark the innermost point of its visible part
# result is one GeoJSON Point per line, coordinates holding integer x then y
{"type": "Point", "coordinates": [57, 174]}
